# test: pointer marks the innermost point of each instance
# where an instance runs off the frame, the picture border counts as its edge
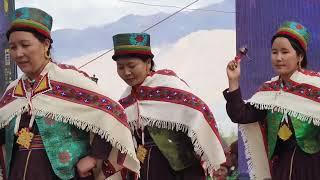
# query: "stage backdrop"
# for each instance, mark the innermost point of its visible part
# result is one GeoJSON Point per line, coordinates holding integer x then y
{"type": "Point", "coordinates": [8, 71]}
{"type": "Point", "coordinates": [256, 22]}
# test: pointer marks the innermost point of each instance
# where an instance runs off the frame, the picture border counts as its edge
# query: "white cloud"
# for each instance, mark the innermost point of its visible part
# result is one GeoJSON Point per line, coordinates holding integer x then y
{"type": "Point", "coordinates": [79, 14]}
{"type": "Point", "coordinates": [199, 58]}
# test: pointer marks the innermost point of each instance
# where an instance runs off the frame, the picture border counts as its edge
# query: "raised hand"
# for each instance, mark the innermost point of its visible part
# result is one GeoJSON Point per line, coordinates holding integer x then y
{"type": "Point", "coordinates": [233, 72]}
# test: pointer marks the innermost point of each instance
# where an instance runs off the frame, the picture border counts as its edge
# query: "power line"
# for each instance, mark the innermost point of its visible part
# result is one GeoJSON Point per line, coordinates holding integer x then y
{"type": "Point", "coordinates": [152, 26]}
{"type": "Point", "coordinates": [171, 6]}
{"type": "Point", "coordinates": [95, 58]}
{"type": "Point", "coordinates": [173, 14]}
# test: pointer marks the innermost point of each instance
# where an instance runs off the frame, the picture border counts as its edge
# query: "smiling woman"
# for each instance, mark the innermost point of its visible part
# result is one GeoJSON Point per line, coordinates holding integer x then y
{"type": "Point", "coordinates": [24, 50]}
{"type": "Point", "coordinates": [285, 111]}
{"type": "Point", "coordinates": [49, 113]}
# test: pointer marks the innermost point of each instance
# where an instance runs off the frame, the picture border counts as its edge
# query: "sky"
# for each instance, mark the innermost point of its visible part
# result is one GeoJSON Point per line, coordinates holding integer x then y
{"type": "Point", "coordinates": [79, 14]}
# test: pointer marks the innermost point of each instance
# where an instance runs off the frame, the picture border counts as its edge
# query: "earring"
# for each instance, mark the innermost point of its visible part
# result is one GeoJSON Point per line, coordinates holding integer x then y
{"type": "Point", "coordinates": [299, 65]}
{"type": "Point", "coordinates": [47, 55]}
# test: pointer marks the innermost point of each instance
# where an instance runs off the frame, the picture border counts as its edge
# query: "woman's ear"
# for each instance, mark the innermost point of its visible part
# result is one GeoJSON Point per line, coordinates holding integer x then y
{"type": "Point", "coordinates": [149, 64]}
{"type": "Point", "coordinates": [300, 57]}
{"type": "Point", "coordinates": [46, 44]}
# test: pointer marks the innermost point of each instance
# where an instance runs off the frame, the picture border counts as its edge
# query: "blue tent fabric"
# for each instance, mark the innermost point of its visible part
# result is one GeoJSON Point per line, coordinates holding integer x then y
{"type": "Point", "coordinates": [256, 23]}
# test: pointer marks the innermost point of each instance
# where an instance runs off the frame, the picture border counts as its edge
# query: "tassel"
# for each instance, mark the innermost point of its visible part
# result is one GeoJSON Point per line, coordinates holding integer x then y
{"type": "Point", "coordinates": [285, 117]}
{"type": "Point", "coordinates": [33, 117]}
{"type": "Point", "coordinates": [16, 126]}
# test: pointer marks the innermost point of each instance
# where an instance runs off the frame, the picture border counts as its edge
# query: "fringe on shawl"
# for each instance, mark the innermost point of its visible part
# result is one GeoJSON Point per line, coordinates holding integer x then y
{"type": "Point", "coordinates": [300, 116]}
{"type": "Point", "coordinates": [75, 122]}
{"type": "Point", "coordinates": [209, 167]}
{"type": "Point", "coordinates": [248, 153]}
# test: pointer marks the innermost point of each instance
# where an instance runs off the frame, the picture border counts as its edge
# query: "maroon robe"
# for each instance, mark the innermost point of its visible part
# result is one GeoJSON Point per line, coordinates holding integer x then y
{"type": "Point", "coordinates": [157, 167]}
{"type": "Point", "coordinates": [39, 167]}
{"type": "Point", "coordinates": [304, 166]}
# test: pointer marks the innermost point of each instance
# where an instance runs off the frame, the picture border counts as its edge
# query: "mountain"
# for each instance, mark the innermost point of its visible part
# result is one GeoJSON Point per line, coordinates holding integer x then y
{"type": "Point", "coordinates": [69, 43]}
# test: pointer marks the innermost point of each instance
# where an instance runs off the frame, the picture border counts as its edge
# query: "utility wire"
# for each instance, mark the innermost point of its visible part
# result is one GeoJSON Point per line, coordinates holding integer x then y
{"type": "Point", "coordinates": [152, 26]}
{"type": "Point", "coordinates": [171, 6]}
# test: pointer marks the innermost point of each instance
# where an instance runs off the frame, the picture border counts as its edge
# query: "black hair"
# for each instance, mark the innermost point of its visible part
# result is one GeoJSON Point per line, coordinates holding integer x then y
{"type": "Point", "coordinates": [143, 57]}
{"type": "Point", "coordinates": [296, 46]}
{"type": "Point", "coordinates": [35, 33]}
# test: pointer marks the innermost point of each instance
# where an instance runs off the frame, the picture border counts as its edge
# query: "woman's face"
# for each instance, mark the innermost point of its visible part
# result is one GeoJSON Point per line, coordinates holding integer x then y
{"type": "Point", "coordinates": [133, 70]}
{"type": "Point", "coordinates": [28, 52]}
{"type": "Point", "coordinates": [284, 58]}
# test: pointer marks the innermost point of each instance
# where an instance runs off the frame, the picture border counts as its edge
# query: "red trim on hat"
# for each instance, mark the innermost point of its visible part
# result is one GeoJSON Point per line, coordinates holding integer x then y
{"type": "Point", "coordinates": [123, 52]}
{"type": "Point", "coordinates": [45, 33]}
{"type": "Point", "coordinates": [295, 37]}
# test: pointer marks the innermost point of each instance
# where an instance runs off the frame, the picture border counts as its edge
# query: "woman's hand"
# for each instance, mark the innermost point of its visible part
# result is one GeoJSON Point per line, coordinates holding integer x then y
{"type": "Point", "coordinates": [233, 72]}
{"type": "Point", "coordinates": [85, 166]}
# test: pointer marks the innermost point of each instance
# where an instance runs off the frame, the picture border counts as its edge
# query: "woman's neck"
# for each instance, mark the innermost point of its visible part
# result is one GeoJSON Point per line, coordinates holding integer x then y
{"type": "Point", "coordinates": [286, 77]}
{"type": "Point", "coordinates": [37, 73]}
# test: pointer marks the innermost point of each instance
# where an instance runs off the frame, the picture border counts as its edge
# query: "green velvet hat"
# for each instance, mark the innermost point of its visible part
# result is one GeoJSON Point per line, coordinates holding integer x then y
{"type": "Point", "coordinates": [131, 44]}
{"type": "Point", "coordinates": [297, 31]}
{"type": "Point", "coordinates": [31, 18]}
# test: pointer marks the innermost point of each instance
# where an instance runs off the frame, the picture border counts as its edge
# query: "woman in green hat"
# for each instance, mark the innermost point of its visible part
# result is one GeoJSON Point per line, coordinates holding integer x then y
{"type": "Point", "coordinates": [49, 113]}
{"type": "Point", "coordinates": [285, 110]}
{"type": "Point", "coordinates": [174, 130]}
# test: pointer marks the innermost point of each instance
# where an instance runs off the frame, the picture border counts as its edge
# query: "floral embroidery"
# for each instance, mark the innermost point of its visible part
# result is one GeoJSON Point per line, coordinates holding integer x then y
{"type": "Point", "coordinates": [7, 98]}
{"type": "Point", "coordinates": [64, 157]}
{"type": "Point", "coordinates": [171, 95]}
{"type": "Point", "coordinates": [76, 95]}
{"type": "Point", "coordinates": [303, 90]}
{"type": "Point", "coordinates": [127, 101]}
{"type": "Point", "coordinates": [299, 26]}
{"type": "Point", "coordinates": [165, 72]}
{"type": "Point", "coordinates": [270, 86]}
{"type": "Point", "coordinates": [138, 39]}
{"type": "Point", "coordinates": [65, 66]}
{"type": "Point", "coordinates": [310, 73]}
{"type": "Point", "coordinates": [108, 169]}
{"type": "Point", "coordinates": [88, 98]}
